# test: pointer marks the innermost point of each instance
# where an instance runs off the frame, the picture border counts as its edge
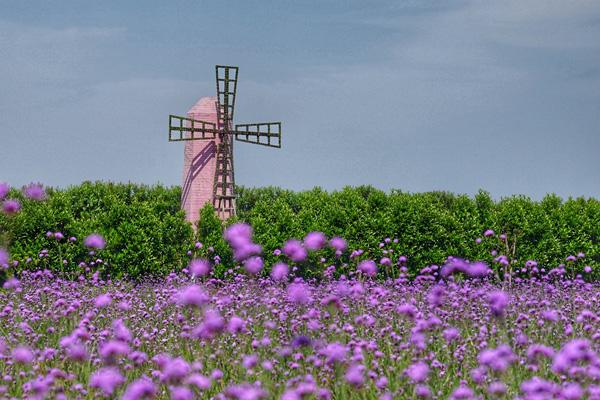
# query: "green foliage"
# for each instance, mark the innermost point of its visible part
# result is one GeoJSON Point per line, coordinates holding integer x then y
{"type": "Point", "coordinates": [146, 231]}
{"type": "Point", "coordinates": [428, 226]}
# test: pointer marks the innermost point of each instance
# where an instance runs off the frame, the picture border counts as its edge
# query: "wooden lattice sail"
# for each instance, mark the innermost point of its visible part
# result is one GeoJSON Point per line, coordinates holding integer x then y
{"type": "Point", "coordinates": [208, 155]}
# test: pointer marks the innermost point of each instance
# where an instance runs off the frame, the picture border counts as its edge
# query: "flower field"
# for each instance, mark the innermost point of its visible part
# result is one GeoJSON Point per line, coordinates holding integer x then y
{"type": "Point", "coordinates": [461, 330]}
{"type": "Point", "coordinates": [192, 336]}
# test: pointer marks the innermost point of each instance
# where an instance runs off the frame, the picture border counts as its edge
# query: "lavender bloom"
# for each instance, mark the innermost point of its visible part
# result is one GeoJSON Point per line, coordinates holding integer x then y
{"type": "Point", "coordinates": [193, 295]}
{"type": "Point", "coordinates": [335, 353]}
{"type": "Point", "coordinates": [4, 189]}
{"type": "Point", "coordinates": [368, 267]}
{"type": "Point", "coordinates": [113, 349]}
{"type": "Point", "coordinates": [11, 284]}
{"type": "Point", "coordinates": [498, 301]}
{"type": "Point", "coordinates": [354, 375]}
{"type": "Point", "coordinates": [418, 372]}
{"type": "Point", "coordinates": [239, 237]}
{"type": "Point", "coordinates": [102, 301]}
{"type": "Point", "coordinates": [298, 293]}
{"type": "Point", "coordinates": [34, 191]}
{"type": "Point", "coordinates": [201, 382]}
{"type": "Point", "coordinates": [488, 233]}
{"type": "Point", "coordinates": [236, 325]}
{"type": "Point", "coordinates": [294, 250]}
{"type": "Point", "coordinates": [253, 265]}
{"type": "Point", "coordinates": [573, 352]}
{"type": "Point", "coordinates": [94, 241]}
{"type": "Point", "coordinates": [338, 244]}
{"type": "Point", "coordinates": [423, 392]}
{"type": "Point", "coordinates": [199, 267]}
{"type": "Point", "coordinates": [462, 393]}
{"type": "Point", "coordinates": [245, 392]}
{"type": "Point", "coordinates": [107, 380]}
{"type": "Point", "coordinates": [3, 257]}
{"type": "Point", "coordinates": [497, 359]}
{"type": "Point", "coordinates": [22, 355]}
{"type": "Point", "coordinates": [11, 206]}
{"type": "Point", "coordinates": [280, 272]}
{"type": "Point", "coordinates": [175, 370]}
{"type": "Point", "coordinates": [315, 241]}
{"type": "Point", "coordinates": [142, 388]}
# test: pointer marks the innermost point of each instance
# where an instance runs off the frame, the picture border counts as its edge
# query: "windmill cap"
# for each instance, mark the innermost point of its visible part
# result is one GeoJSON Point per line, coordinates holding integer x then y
{"type": "Point", "coordinates": [206, 105]}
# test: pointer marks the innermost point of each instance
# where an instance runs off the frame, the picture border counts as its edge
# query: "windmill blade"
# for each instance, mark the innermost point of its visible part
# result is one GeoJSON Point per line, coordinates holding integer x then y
{"type": "Point", "coordinates": [263, 133]}
{"type": "Point", "coordinates": [227, 77]}
{"type": "Point", "coordinates": [182, 128]}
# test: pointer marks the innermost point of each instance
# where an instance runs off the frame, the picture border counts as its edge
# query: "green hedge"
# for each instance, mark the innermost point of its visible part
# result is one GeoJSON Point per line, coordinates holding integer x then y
{"type": "Point", "coordinates": [147, 235]}
{"type": "Point", "coordinates": [145, 231]}
{"type": "Point", "coordinates": [428, 226]}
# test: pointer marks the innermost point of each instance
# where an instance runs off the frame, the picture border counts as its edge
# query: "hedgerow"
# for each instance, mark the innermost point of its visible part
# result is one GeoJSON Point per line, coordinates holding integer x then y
{"type": "Point", "coordinates": [146, 232]}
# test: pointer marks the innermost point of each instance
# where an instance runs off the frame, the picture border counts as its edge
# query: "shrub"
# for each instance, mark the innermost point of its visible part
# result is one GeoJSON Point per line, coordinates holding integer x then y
{"type": "Point", "coordinates": [146, 232]}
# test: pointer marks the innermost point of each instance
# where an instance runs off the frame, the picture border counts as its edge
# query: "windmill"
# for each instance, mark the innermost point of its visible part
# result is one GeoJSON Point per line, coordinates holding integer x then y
{"type": "Point", "coordinates": [215, 129]}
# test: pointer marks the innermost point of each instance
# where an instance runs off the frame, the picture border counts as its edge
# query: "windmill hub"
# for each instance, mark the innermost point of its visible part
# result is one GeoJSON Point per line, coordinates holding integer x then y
{"type": "Point", "coordinates": [208, 174]}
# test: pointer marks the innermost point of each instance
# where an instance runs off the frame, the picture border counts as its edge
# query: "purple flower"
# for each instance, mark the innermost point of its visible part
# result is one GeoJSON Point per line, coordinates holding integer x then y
{"type": "Point", "coordinates": [451, 334]}
{"type": "Point", "coordinates": [250, 361]}
{"type": "Point", "coordinates": [111, 350]}
{"type": "Point", "coordinates": [199, 267]}
{"type": "Point", "coordinates": [102, 301]}
{"type": "Point", "coordinates": [34, 191]}
{"type": "Point", "coordinates": [22, 355]}
{"type": "Point", "coordinates": [245, 392]}
{"type": "Point", "coordinates": [298, 293]}
{"type": "Point", "coordinates": [573, 352]}
{"type": "Point", "coordinates": [497, 389]}
{"type": "Point", "coordinates": [199, 381]}
{"type": "Point", "coordinates": [239, 237]}
{"type": "Point", "coordinates": [3, 257]}
{"type": "Point", "coordinates": [418, 372]}
{"type": "Point", "coordinates": [280, 272]}
{"type": "Point", "coordinates": [11, 206]}
{"type": "Point", "coordinates": [498, 301]}
{"type": "Point", "coordinates": [4, 189]}
{"type": "Point", "coordinates": [94, 241]}
{"type": "Point", "coordinates": [11, 283]}
{"type": "Point", "coordinates": [334, 353]}
{"type": "Point", "coordinates": [462, 392]}
{"type": "Point", "coordinates": [253, 265]}
{"type": "Point", "coordinates": [193, 295]}
{"type": "Point", "coordinates": [338, 244]}
{"type": "Point", "coordinates": [76, 351]}
{"type": "Point", "coordinates": [301, 341]}
{"type": "Point", "coordinates": [488, 233]}
{"type": "Point", "coordinates": [181, 393]}
{"type": "Point", "coordinates": [107, 379]}
{"type": "Point", "coordinates": [498, 359]}
{"type": "Point", "coordinates": [572, 391]}
{"type": "Point", "coordinates": [315, 241]}
{"type": "Point", "coordinates": [294, 250]}
{"type": "Point", "coordinates": [212, 324]}
{"type": "Point", "coordinates": [142, 388]}
{"type": "Point", "coordinates": [175, 370]}
{"type": "Point", "coordinates": [368, 267]}
{"type": "Point", "coordinates": [236, 325]}
{"type": "Point", "coordinates": [354, 375]}
{"type": "Point", "coordinates": [423, 392]}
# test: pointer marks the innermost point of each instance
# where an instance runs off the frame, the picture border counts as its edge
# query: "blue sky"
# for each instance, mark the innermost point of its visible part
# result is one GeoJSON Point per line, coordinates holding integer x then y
{"type": "Point", "coordinates": [411, 95]}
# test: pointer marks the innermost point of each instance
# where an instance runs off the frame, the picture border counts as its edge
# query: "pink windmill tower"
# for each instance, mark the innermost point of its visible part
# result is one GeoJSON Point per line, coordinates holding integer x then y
{"type": "Point", "coordinates": [208, 175]}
